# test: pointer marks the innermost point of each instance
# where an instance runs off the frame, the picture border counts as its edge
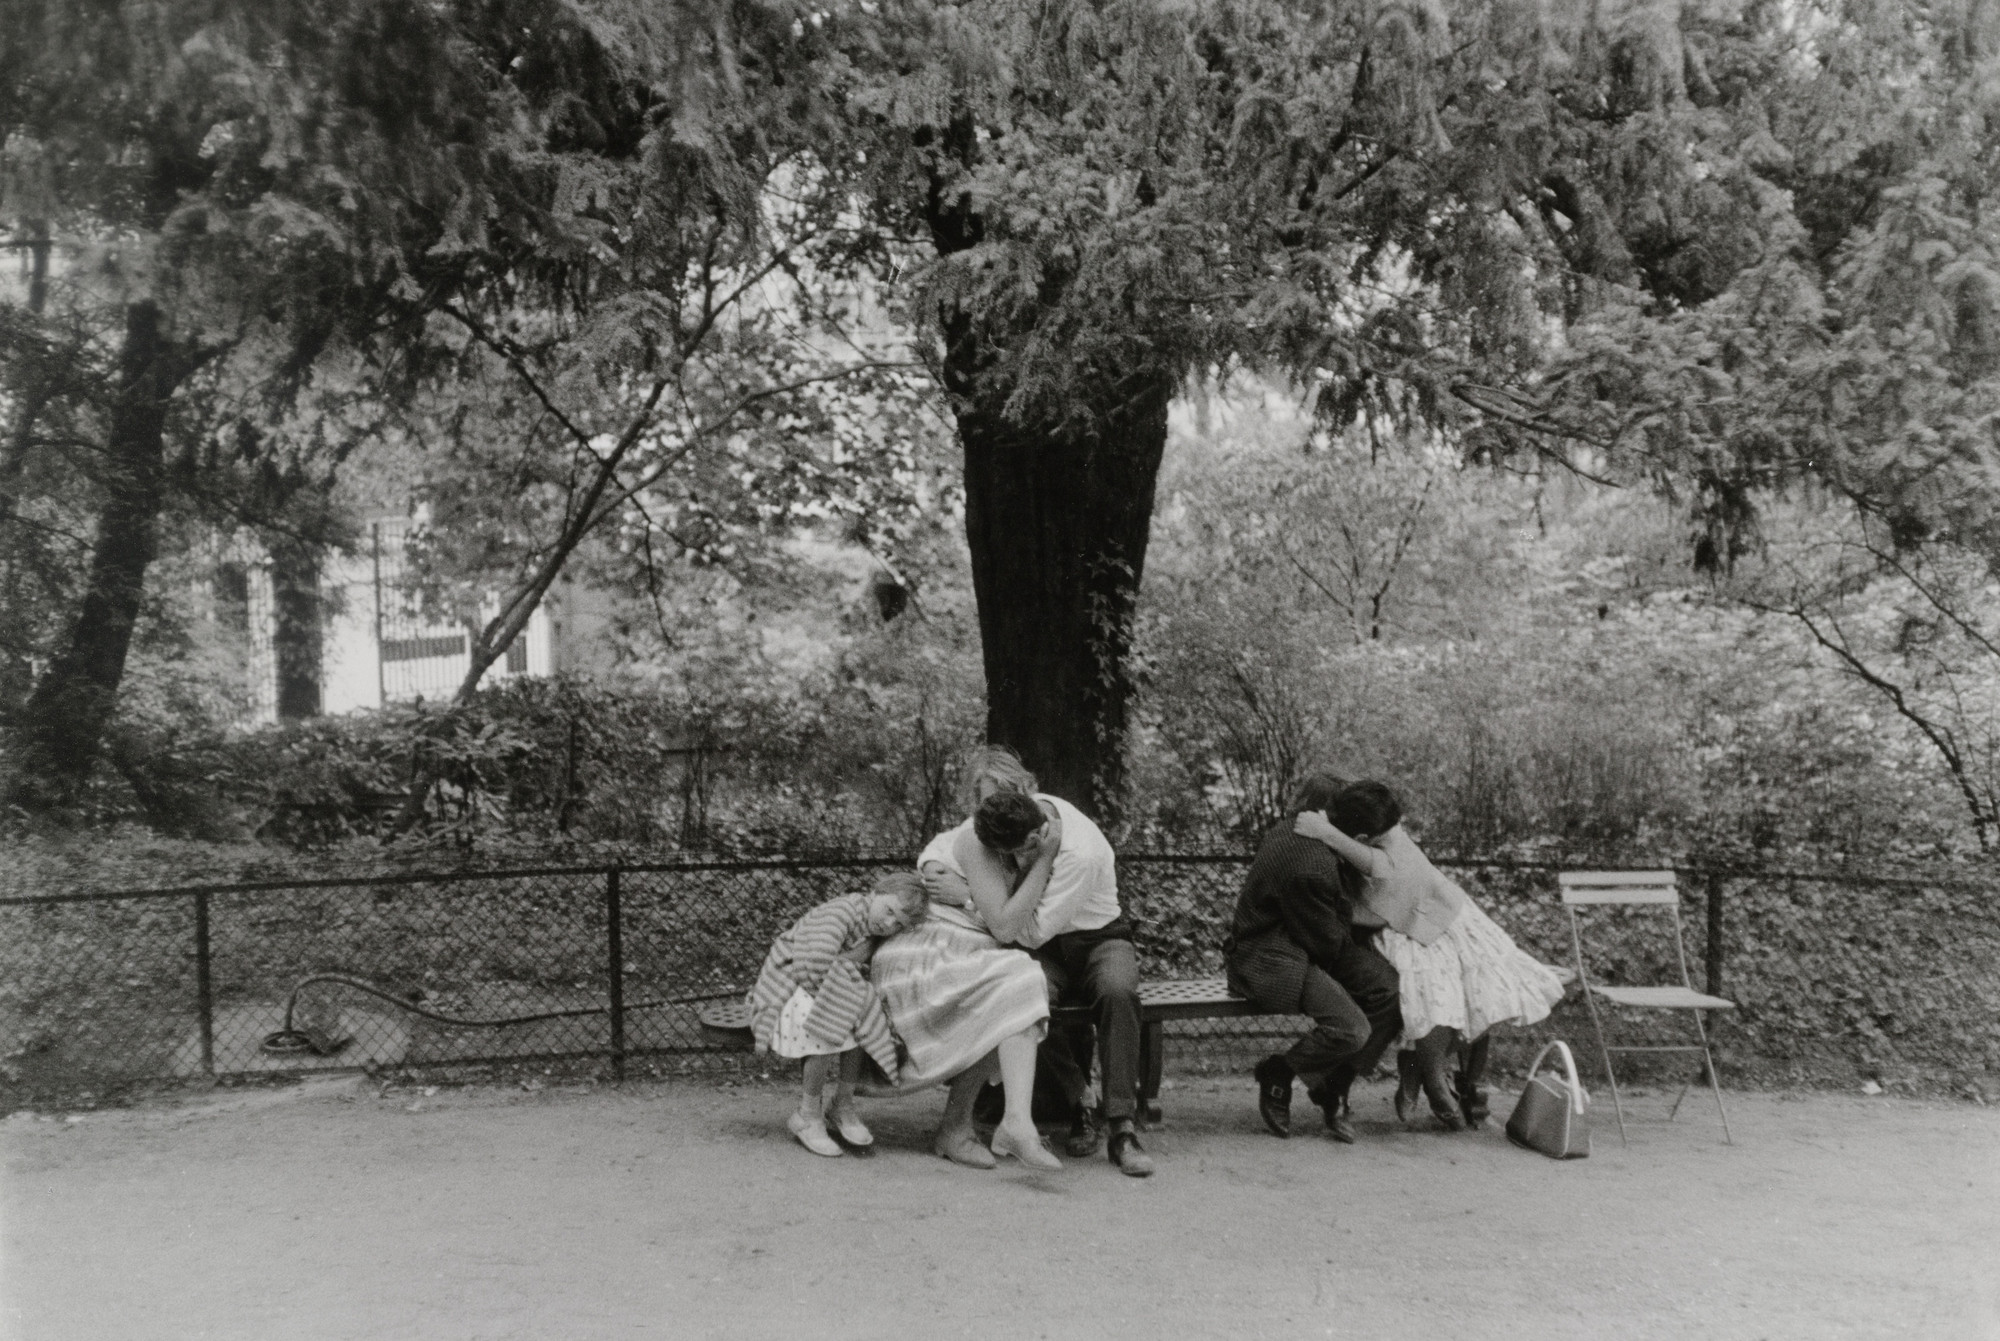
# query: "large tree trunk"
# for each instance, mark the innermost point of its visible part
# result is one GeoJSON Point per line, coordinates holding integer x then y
{"type": "Point", "coordinates": [1057, 517]}
{"type": "Point", "coordinates": [62, 723]}
{"type": "Point", "coordinates": [1057, 520]}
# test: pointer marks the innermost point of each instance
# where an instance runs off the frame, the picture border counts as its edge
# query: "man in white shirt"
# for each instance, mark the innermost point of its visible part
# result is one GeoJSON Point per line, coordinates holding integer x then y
{"type": "Point", "coordinates": [1051, 878]}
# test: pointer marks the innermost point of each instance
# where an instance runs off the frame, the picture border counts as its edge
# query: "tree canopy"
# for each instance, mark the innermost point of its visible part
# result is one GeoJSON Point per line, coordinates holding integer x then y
{"type": "Point", "coordinates": [1719, 249]}
{"type": "Point", "coordinates": [244, 215]}
{"type": "Point", "coordinates": [1730, 251]}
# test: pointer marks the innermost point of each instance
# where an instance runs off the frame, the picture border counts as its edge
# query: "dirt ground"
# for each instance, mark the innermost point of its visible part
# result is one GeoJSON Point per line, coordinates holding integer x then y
{"type": "Point", "coordinates": [339, 1209]}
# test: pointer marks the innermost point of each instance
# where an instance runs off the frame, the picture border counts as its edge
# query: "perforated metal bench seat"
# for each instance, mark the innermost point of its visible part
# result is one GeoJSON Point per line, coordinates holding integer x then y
{"type": "Point", "coordinates": [727, 1023]}
{"type": "Point", "coordinates": [1174, 999]}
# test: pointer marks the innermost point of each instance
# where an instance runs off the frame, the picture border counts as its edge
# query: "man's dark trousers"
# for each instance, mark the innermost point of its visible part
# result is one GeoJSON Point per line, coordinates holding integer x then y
{"type": "Point", "coordinates": [1353, 1000]}
{"type": "Point", "coordinates": [1099, 969]}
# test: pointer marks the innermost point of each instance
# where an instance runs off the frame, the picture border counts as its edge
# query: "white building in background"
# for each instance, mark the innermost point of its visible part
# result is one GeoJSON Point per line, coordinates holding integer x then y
{"type": "Point", "coordinates": [371, 642]}
{"type": "Point", "coordinates": [380, 648]}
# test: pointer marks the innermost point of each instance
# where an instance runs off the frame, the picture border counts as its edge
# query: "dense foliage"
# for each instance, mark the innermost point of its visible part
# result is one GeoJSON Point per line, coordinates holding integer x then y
{"type": "Point", "coordinates": [576, 280]}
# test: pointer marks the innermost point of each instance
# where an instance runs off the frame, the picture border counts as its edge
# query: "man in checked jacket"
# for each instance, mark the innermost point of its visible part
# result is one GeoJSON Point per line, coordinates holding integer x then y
{"type": "Point", "coordinates": [1292, 950]}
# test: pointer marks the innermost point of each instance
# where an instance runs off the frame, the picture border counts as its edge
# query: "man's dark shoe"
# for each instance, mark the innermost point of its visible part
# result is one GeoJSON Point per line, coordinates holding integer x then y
{"type": "Point", "coordinates": [1274, 1094]}
{"type": "Point", "coordinates": [1472, 1102]}
{"type": "Point", "coordinates": [1339, 1122]}
{"type": "Point", "coordinates": [1084, 1135]}
{"type": "Point", "coordinates": [1126, 1152]}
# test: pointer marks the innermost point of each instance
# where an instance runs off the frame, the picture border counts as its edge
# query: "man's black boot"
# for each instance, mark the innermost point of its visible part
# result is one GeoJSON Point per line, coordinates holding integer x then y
{"type": "Point", "coordinates": [1085, 1136]}
{"type": "Point", "coordinates": [1339, 1120]}
{"type": "Point", "coordinates": [1274, 1094]}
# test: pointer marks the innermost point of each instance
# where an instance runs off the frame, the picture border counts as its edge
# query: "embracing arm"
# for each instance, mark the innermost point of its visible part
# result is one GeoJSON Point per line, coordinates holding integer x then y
{"type": "Point", "coordinates": [1363, 858]}
{"type": "Point", "coordinates": [1008, 914]}
{"type": "Point", "coordinates": [945, 885]}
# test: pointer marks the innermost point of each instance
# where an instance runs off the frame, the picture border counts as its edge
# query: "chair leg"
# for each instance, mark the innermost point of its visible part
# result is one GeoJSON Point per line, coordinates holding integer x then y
{"type": "Point", "coordinates": [1610, 1075]}
{"type": "Point", "coordinates": [1714, 1080]}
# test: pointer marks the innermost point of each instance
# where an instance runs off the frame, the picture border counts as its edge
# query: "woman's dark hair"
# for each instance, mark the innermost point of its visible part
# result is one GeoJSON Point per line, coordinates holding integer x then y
{"type": "Point", "coordinates": [1366, 809]}
{"type": "Point", "coordinates": [1317, 791]}
{"type": "Point", "coordinates": [1005, 819]}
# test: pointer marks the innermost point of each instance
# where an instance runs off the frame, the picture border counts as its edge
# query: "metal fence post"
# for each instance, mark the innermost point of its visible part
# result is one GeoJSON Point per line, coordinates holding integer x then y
{"type": "Point", "coordinates": [1712, 952]}
{"type": "Point", "coordinates": [204, 990]}
{"type": "Point", "coordinates": [615, 951]}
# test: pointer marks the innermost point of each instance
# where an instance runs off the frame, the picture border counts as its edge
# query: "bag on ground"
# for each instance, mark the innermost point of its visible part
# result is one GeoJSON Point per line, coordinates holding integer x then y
{"type": "Point", "coordinates": [1550, 1116]}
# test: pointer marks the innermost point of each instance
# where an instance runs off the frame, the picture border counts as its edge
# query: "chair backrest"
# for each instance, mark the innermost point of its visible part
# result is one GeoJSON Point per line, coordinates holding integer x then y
{"type": "Point", "coordinates": [1619, 887]}
{"type": "Point", "coordinates": [1584, 888]}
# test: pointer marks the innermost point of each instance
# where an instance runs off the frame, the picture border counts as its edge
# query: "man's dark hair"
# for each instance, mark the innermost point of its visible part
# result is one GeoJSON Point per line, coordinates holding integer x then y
{"type": "Point", "coordinates": [1366, 809]}
{"type": "Point", "coordinates": [1005, 819]}
{"type": "Point", "coordinates": [1317, 791]}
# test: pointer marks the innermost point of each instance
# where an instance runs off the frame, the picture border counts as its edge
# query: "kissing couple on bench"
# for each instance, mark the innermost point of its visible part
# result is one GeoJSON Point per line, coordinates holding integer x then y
{"type": "Point", "coordinates": [1344, 919]}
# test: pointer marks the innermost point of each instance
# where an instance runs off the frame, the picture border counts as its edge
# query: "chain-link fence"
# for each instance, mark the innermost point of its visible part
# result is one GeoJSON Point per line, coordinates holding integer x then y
{"type": "Point", "coordinates": [613, 964]}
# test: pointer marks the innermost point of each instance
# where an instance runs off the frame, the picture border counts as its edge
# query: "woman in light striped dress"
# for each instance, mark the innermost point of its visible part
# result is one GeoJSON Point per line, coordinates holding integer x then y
{"type": "Point", "coordinates": [965, 1006]}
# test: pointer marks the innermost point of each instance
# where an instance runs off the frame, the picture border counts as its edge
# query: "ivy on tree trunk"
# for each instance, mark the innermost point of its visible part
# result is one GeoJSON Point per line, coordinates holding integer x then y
{"type": "Point", "coordinates": [1057, 517]}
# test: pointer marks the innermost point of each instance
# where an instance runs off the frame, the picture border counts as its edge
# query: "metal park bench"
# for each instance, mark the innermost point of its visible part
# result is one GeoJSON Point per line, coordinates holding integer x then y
{"type": "Point", "coordinates": [727, 1023]}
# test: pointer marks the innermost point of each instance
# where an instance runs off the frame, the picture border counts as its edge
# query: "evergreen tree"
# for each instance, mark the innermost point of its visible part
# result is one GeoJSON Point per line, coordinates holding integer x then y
{"type": "Point", "coordinates": [1541, 230]}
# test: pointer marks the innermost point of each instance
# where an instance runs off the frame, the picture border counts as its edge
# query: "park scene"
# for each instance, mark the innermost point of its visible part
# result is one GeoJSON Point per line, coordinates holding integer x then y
{"type": "Point", "coordinates": [1066, 668]}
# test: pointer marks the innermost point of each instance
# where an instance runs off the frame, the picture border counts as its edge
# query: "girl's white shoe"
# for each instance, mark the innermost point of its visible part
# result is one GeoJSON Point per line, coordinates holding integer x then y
{"type": "Point", "coordinates": [812, 1135]}
{"type": "Point", "coordinates": [852, 1129]}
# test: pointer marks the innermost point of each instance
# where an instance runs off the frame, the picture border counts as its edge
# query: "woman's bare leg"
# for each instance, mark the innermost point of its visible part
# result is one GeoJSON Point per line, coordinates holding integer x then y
{"type": "Point", "coordinates": [1017, 1078]}
{"type": "Point", "coordinates": [956, 1139]}
{"type": "Point", "coordinates": [1016, 1134]}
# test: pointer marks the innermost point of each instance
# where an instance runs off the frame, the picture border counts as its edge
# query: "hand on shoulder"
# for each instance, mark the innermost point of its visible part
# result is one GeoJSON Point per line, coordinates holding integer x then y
{"type": "Point", "coordinates": [946, 886]}
{"type": "Point", "coordinates": [1314, 824]}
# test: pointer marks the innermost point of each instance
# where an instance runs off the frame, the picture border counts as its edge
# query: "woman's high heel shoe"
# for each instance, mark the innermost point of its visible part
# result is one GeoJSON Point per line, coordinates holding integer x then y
{"type": "Point", "coordinates": [964, 1148]}
{"type": "Point", "coordinates": [1409, 1084]}
{"type": "Point", "coordinates": [1449, 1113]}
{"type": "Point", "coordinates": [1031, 1152]}
{"type": "Point", "coordinates": [1472, 1103]}
{"type": "Point", "coordinates": [1444, 1103]}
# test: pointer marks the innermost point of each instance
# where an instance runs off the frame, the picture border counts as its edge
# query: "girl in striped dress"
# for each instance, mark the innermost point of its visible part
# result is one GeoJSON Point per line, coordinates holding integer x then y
{"type": "Point", "coordinates": [812, 1001]}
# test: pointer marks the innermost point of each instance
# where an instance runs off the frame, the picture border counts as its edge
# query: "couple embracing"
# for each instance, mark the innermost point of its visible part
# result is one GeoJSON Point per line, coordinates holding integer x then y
{"type": "Point", "coordinates": [948, 975]}
{"type": "Point", "coordinates": [1023, 913]}
{"type": "Point", "coordinates": [1344, 919]}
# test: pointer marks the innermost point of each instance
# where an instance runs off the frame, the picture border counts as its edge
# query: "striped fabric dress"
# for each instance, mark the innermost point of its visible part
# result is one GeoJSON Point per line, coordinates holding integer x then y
{"type": "Point", "coordinates": [845, 1009]}
{"type": "Point", "coordinates": [953, 993]}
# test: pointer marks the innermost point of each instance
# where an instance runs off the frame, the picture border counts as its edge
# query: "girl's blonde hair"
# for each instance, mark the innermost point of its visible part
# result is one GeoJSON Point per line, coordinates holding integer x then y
{"type": "Point", "coordinates": [997, 764]}
{"type": "Point", "coordinates": [907, 889]}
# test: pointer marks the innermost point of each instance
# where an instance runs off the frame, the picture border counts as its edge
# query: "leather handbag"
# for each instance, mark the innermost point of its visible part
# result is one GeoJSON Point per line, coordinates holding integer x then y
{"type": "Point", "coordinates": [1550, 1116]}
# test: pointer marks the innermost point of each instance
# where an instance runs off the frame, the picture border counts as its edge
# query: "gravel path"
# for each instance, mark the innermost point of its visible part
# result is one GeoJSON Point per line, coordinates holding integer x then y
{"type": "Point", "coordinates": [336, 1209]}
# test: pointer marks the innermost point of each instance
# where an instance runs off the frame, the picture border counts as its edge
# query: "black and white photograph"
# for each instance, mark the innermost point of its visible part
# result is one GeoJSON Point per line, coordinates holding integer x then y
{"type": "Point", "coordinates": [1075, 669]}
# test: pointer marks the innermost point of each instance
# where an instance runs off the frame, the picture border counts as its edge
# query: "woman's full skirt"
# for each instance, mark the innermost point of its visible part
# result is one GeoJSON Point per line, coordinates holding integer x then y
{"type": "Point", "coordinates": [953, 993]}
{"type": "Point", "coordinates": [1469, 979]}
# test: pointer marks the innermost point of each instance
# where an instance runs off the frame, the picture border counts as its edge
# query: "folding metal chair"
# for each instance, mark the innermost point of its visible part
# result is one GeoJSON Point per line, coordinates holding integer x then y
{"type": "Point", "coordinates": [1654, 889]}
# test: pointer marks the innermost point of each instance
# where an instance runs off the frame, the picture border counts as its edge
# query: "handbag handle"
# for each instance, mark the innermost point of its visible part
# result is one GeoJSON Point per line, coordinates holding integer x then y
{"type": "Point", "coordinates": [1577, 1097]}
